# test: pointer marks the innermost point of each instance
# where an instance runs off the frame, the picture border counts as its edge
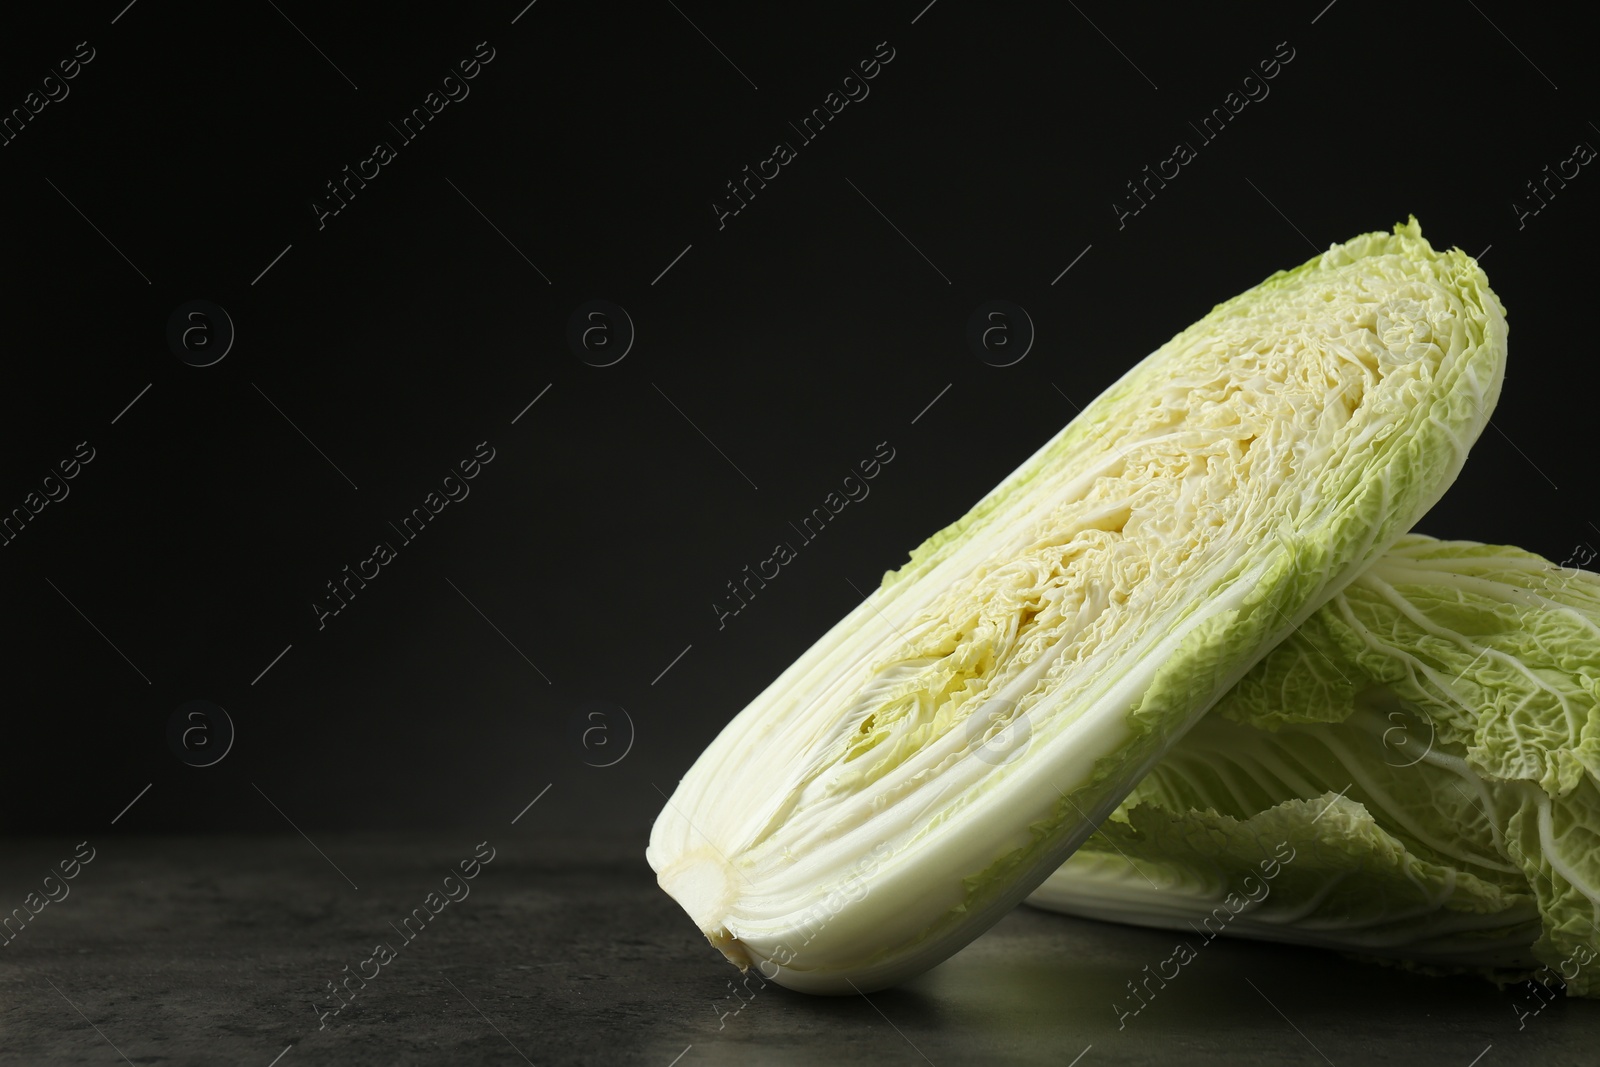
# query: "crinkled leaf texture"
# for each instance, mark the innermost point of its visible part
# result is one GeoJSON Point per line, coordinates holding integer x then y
{"type": "Point", "coordinates": [1428, 741]}
{"type": "Point", "coordinates": [946, 745]}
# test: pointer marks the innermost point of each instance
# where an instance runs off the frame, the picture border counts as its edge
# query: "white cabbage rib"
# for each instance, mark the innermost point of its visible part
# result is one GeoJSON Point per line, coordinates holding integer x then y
{"type": "Point", "coordinates": [946, 744]}
{"type": "Point", "coordinates": [1347, 886]}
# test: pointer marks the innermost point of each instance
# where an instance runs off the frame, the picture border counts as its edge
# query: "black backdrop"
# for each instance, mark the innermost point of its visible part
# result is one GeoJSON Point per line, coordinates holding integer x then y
{"type": "Point", "coordinates": [563, 614]}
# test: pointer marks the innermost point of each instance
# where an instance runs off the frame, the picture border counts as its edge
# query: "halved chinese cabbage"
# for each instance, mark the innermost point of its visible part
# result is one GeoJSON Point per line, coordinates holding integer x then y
{"type": "Point", "coordinates": [1427, 744]}
{"type": "Point", "coordinates": [949, 742]}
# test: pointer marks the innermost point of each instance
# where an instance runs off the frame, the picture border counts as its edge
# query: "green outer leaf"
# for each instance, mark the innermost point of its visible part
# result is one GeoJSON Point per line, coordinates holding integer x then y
{"type": "Point", "coordinates": [1316, 872]}
{"type": "Point", "coordinates": [1453, 693]}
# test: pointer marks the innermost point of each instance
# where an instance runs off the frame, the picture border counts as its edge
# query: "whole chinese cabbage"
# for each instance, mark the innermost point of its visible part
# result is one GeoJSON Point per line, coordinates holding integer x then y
{"type": "Point", "coordinates": [946, 745]}
{"type": "Point", "coordinates": [1428, 745]}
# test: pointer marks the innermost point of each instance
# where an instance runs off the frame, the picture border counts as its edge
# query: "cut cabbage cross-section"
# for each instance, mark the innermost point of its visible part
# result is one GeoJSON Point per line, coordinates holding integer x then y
{"type": "Point", "coordinates": [949, 742]}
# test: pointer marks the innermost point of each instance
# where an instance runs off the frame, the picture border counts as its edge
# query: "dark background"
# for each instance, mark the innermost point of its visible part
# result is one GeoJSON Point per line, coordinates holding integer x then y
{"type": "Point", "coordinates": [774, 354]}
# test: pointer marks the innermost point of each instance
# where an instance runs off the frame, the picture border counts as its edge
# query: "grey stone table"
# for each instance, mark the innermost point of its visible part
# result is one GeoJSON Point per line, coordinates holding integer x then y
{"type": "Point", "coordinates": [220, 950]}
